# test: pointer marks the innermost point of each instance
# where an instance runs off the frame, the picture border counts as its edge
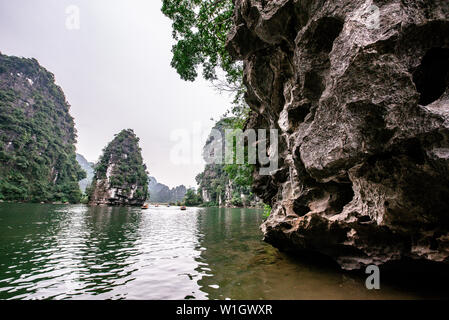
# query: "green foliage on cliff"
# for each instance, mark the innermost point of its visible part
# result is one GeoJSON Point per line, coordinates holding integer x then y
{"type": "Point", "coordinates": [266, 211]}
{"type": "Point", "coordinates": [37, 136]}
{"type": "Point", "coordinates": [240, 174]}
{"type": "Point", "coordinates": [226, 182]}
{"type": "Point", "coordinates": [192, 198]}
{"type": "Point", "coordinates": [123, 157]}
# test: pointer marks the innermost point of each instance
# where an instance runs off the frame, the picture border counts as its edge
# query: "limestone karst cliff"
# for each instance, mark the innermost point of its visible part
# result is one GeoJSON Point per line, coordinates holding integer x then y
{"type": "Point", "coordinates": [359, 91]}
{"type": "Point", "coordinates": [88, 167]}
{"type": "Point", "coordinates": [159, 192]}
{"type": "Point", "coordinates": [37, 136]}
{"type": "Point", "coordinates": [120, 176]}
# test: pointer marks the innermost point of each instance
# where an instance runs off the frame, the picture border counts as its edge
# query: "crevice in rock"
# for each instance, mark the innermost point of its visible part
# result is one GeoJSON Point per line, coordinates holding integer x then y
{"type": "Point", "coordinates": [314, 84]}
{"type": "Point", "coordinates": [414, 151]}
{"type": "Point", "coordinates": [432, 76]}
{"type": "Point", "coordinates": [299, 208]}
{"type": "Point", "coordinates": [340, 199]}
{"type": "Point", "coordinates": [298, 114]}
{"type": "Point", "coordinates": [326, 31]}
{"type": "Point", "coordinates": [319, 43]}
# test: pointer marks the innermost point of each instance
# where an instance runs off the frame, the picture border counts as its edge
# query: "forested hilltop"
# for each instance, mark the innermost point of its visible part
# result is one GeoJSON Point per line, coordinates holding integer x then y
{"type": "Point", "coordinates": [120, 176]}
{"type": "Point", "coordinates": [37, 136]}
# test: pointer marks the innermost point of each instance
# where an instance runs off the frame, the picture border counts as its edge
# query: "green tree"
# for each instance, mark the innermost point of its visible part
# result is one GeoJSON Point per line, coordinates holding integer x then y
{"type": "Point", "coordinates": [240, 174]}
{"type": "Point", "coordinates": [192, 198]}
{"type": "Point", "coordinates": [200, 28]}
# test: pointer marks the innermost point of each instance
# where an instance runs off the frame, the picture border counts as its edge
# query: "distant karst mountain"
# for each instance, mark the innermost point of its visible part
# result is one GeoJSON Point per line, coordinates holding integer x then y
{"type": "Point", "coordinates": [37, 136]}
{"type": "Point", "coordinates": [88, 167]}
{"type": "Point", "coordinates": [161, 193]}
{"type": "Point", "coordinates": [120, 177]}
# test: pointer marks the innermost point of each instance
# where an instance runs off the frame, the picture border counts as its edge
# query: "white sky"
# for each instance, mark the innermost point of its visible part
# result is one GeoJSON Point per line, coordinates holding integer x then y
{"type": "Point", "coordinates": [115, 71]}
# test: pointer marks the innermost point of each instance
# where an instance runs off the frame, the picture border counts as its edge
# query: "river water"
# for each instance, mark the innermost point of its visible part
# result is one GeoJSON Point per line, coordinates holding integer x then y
{"type": "Point", "coordinates": [81, 252]}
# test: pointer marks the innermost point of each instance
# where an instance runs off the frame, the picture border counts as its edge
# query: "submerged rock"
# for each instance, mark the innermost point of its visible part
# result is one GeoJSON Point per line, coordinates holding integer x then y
{"type": "Point", "coordinates": [360, 96]}
{"type": "Point", "coordinates": [120, 176]}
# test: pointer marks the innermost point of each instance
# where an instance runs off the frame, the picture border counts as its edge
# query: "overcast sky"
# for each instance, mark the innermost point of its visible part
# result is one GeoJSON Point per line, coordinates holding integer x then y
{"type": "Point", "coordinates": [115, 71]}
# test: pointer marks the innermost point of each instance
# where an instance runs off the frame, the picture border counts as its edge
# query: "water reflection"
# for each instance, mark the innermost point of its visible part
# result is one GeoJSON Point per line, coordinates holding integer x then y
{"type": "Point", "coordinates": [241, 266]}
{"type": "Point", "coordinates": [80, 252]}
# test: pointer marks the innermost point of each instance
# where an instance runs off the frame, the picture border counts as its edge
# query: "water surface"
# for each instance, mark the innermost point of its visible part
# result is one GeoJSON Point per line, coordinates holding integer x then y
{"type": "Point", "coordinates": [81, 252]}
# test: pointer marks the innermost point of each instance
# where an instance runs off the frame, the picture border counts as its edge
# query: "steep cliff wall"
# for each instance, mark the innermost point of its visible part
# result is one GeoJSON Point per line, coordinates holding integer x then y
{"type": "Point", "coordinates": [359, 93]}
{"type": "Point", "coordinates": [120, 176]}
{"type": "Point", "coordinates": [88, 167]}
{"type": "Point", "coordinates": [37, 135]}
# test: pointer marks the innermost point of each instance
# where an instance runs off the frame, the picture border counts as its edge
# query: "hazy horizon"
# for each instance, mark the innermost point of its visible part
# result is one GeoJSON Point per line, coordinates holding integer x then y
{"type": "Point", "coordinates": [115, 72]}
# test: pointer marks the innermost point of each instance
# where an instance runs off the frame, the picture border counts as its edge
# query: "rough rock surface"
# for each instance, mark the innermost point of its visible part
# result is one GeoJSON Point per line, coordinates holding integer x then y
{"type": "Point", "coordinates": [120, 176]}
{"type": "Point", "coordinates": [359, 90]}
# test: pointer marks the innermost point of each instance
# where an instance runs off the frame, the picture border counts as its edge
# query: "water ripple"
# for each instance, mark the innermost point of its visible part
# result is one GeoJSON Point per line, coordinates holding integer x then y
{"type": "Point", "coordinates": [77, 252]}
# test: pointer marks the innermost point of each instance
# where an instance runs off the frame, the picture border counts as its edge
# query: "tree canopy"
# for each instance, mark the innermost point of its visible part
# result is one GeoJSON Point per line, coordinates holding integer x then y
{"type": "Point", "coordinates": [200, 28]}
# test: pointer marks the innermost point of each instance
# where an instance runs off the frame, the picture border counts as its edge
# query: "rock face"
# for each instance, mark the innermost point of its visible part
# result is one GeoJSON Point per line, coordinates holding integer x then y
{"type": "Point", "coordinates": [359, 91]}
{"type": "Point", "coordinates": [161, 193]}
{"type": "Point", "coordinates": [37, 136]}
{"type": "Point", "coordinates": [120, 176]}
{"type": "Point", "coordinates": [88, 167]}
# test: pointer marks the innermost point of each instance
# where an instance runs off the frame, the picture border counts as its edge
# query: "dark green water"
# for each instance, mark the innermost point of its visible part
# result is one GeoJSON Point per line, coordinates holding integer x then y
{"type": "Point", "coordinates": [78, 252]}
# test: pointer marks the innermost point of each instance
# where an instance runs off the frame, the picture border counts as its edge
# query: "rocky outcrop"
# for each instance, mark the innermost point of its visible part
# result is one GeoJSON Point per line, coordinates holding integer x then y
{"type": "Point", "coordinates": [37, 136]}
{"type": "Point", "coordinates": [120, 176]}
{"type": "Point", "coordinates": [359, 91]}
{"type": "Point", "coordinates": [161, 193]}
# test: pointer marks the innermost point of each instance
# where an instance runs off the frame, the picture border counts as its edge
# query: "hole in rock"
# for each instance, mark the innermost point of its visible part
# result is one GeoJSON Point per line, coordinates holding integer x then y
{"type": "Point", "coordinates": [300, 209]}
{"type": "Point", "coordinates": [414, 151]}
{"type": "Point", "coordinates": [432, 76]}
{"type": "Point", "coordinates": [325, 33]}
{"type": "Point", "coordinates": [363, 219]}
{"type": "Point", "coordinates": [313, 85]}
{"type": "Point", "coordinates": [298, 114]}
{"type": "Point", "coordinates": [343, 197]}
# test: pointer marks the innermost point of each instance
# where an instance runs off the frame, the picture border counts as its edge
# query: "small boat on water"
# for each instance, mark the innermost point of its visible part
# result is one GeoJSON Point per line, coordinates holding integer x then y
{"type": "Point", "coordinates": [145, 206]}
{"type": "Point", "coordinates": [183, 208]}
